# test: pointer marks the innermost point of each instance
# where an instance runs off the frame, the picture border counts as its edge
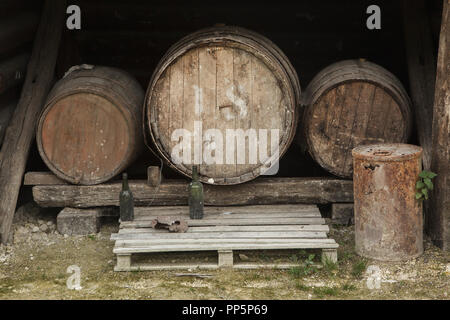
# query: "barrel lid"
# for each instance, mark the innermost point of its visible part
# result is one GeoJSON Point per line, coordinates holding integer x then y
{"type": "Point", "coordinates": [387, 152]}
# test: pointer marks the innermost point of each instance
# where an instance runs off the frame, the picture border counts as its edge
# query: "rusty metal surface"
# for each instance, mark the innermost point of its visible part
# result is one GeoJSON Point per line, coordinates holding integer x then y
{"type": "Point", "coordinates": [388, 218]}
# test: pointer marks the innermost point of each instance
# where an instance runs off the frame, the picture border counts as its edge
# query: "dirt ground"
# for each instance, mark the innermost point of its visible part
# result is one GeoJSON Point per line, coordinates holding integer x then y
{"type": "Point", "coordinates": [35, 267]}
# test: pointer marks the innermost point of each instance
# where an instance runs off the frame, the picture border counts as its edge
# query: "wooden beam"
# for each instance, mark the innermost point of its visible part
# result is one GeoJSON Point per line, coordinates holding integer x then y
{"type": "Point", "coordinates": [41, 179]}
{"type": "Point", "coordinates": [438, 221]}
{"type": "Point", "coordinates": [20, 133]}
{"type": "Point", "coordinates": [174, 193]}
{"type": "Point", "coordinates": [421, 57]}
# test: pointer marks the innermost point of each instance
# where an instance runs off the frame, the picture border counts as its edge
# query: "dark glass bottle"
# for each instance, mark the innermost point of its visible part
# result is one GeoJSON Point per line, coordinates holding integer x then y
{"type": "Point", "coordinates": [195, 196]}
{"type": "Point", "coordinates": [126, 201]}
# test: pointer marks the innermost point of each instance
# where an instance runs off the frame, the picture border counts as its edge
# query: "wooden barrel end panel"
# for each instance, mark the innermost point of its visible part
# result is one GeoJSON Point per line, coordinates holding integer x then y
{"type": "Point", "coordinates": [217, 86]}
{"type": "Point", "coordinates": [343, 113]}
{"type": "Point", "coordinates": [87, 134]}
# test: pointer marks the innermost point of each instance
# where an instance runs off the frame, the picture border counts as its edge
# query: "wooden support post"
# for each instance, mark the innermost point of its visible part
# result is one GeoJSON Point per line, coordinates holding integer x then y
{"type": "Point", "coordinates": [420, 53]}
{"type": "Point", "coordinates": [225, 259]}
{"type": "Point", "coordinates": [123, 262]}
{"type": "Point", "coordinates": [154, 177]}
{"type": "Point", "coordinates": [20, 133]}
{"type": "Point", "coordinates": [438, 220]}
{"type": "Point", "coordinates": [329, 255]}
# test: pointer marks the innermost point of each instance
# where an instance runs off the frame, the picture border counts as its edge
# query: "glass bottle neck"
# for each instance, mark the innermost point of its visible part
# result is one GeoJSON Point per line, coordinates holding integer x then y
{"type": "Point", "coordinates": [125, 182]}
{"type": "Point", "coordinates": [195, 173]}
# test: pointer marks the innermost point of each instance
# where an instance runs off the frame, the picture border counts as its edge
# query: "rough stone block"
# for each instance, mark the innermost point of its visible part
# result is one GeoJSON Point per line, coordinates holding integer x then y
{"type": "Point", "coordinates": [72, 221]}
{"type": "Point", "coordinates": [342, 213]}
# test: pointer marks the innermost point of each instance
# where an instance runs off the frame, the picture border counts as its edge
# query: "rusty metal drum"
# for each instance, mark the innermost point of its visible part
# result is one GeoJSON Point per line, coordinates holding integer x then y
{"type": "Point", "coordinates": [388, 218]}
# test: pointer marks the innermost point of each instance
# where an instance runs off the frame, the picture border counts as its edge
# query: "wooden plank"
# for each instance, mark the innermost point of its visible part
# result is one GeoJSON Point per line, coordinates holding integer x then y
{"type": "Point", "coordinates": [238, 246]}
{"type": "Point", "coordinates": [20, 133]}
{"type": "Point", "coordinates": [207, 86]}
{"type": "Point", "coordinates": [438, 222]}
{"type": "Point", "coordinates": [231, 222]}
{"type": "Point", "coordinates": [221, 235]}
{"type": "Point", "coordinates": [204, 266]}
{"type": "Point", "coordinates": [226, 107]}
{"type": "Point", "coordinates": [42, 179]}
{"type": "Point", "coordinates": [213, 242]}
{"type": "Point", "coordinates": [219, 216]}
{"type": "Point", "coordinates": [261, 191]}
{"type": "Point", "coordinates": [218, 229]}
{"type": "Point", "coordinates": [166, 267]}
{"type": "Point", "coordinates": [230, 210]}
{"type": "Point", "coordinates": [421, 58]}
{"type": "Point", "coordinates": [191, 105]}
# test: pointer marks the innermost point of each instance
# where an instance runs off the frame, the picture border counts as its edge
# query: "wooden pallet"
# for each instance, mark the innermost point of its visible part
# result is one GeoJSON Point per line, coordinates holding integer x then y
{"type": "Point", "coordinates": [224, 229]}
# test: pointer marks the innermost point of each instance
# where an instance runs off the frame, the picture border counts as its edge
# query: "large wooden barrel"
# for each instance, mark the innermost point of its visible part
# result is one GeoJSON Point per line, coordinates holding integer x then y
{"type": "Point", "coordinates": [219, 79]}
{"type": "Point", "coordinates": [90, 129]}
{"type": "Point", "coordinates": [352, 103]}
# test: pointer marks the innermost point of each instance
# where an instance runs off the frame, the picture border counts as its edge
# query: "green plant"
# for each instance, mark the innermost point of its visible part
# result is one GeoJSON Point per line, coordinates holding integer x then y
{"type": "Point", "coordinates": [325, 291]}
{"type": "Point", "coordinates": [424, 185]}
{"type": "Point", "coordinates": [348, 287]}
{"type": "Point", "coordinates": [329, 266]}
{"type": "Point", "coordinates": [358, 268]}
{"type": "Point", "coordinates": [306, 268]}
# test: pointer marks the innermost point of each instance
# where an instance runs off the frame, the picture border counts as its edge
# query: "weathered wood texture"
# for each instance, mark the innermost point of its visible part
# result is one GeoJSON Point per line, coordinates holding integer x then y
{"type": "Point", "coordinates": [91, 127]}
{"type": "Point", "coordinates": [278, 227]}
{"type": "Point", "coordinates": [20, 133]}
{"type": "Point", "coordinates": [438, 220]}
{"type": "Point", "coordinates": [421, 56]}
{"type": "Point", "coordinates": [12, 72]}
{"type": "Point", "coordinates": [223, 78]}
{"type": "Point", "coordinates": [260, 191]}
{"type": "Point", "coordinates": [154, 176]}
{"type": "Point", "coordinates": [17, 31]}
{"type": "Point", "coordinates": [41, 179]}
{"type": "Point", "coordinates": [352, 103]}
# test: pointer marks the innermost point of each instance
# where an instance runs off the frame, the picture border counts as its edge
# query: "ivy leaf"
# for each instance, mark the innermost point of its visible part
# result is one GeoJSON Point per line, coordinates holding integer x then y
{"type": "Point", "coordinates": [431, 175]}
{"type": "Point", "coordinates": [418, 195]}
{"type": "Point", "coordinates": [425, 193]}
{"type": "Point", "coordinates": [427, 174]}
{"type": "Point", "coordinates": [423, 174]}
{"type": "Point", "coordinates": [428, 183]}
{"type": "Point", "coordinates": [420, 185]}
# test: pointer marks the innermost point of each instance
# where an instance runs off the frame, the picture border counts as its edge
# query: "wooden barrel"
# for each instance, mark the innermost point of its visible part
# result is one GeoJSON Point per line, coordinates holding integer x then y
{"type": "Point", "coordinates": [348, 104]}
{"type": "Point", "coordinates": [217, 81]}
{"type": "Point", "coordinates": [90, 129]}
